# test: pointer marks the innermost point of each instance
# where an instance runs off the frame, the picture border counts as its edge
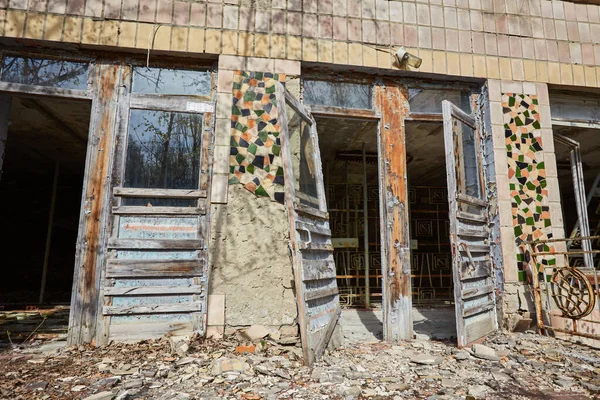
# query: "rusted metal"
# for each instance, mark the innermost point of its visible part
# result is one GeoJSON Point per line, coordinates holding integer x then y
{"type": "Point", "coordinates": [570, 288]}
{"type": "Point", "coordinates": [392, 103]}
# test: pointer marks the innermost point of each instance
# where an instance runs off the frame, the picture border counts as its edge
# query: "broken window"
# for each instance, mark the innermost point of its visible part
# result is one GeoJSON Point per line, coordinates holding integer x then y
{"type": "Point", "coordinates": [338, 94]}
{"type": "Point", "coordinates": [45, 72]}
{"type": "Point", "coordinates": [171, 81]}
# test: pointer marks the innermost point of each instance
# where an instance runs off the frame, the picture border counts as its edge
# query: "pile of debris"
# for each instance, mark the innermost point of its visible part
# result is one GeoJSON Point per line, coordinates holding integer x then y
{"type": "Point", "coordinates": [512, 366]}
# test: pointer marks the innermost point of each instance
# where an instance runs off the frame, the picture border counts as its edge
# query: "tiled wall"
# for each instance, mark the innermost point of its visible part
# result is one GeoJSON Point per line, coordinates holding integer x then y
{"type": "Point", "coordinates": [255, 158]}
{"type": "Point", "coordinates": [235, 115]}
{"type": "Point", "coordinates": [528, 192]}
{"type": "Point", "coordinates": [519, 40]}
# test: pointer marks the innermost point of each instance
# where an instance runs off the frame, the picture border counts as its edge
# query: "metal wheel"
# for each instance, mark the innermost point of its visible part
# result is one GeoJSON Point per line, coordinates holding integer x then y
{"type": "Point", "coordinates": [572, 292]}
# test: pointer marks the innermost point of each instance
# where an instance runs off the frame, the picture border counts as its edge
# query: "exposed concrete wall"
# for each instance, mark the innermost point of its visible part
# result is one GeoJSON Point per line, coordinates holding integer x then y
{"type": "Point", "coordinates": [250, 261]}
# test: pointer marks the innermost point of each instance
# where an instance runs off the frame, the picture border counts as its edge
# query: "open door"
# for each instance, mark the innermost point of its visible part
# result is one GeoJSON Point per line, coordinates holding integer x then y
{"type": "Point", "coordinates": [469, 233]}
{"type": "Point", "coordinates": [310, 236]}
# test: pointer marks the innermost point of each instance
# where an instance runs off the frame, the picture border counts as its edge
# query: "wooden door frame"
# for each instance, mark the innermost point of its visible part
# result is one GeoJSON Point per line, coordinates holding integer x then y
{"type": "Point", "coordinates": [391, 101]}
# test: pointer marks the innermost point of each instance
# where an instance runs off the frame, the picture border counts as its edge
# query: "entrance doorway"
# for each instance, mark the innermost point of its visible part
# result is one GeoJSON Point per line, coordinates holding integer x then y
{"type": "Point", "coordinates": [431, 256]}
{"type": "Point", "coordinates": [40, 201]}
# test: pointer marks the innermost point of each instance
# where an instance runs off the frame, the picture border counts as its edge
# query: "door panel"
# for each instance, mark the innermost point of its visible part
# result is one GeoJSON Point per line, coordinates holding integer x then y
{"type": "Point", "coordinates": [156, 276]}
{"type": "Point", "coordinates": [469, 232]}
{"type": "Point", "coordinates": [310, 236]}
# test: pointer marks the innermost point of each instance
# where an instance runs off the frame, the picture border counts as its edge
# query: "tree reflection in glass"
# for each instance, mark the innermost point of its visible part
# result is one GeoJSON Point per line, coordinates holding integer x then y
{"type": "Point", "coordinates": [163, 151]}
{"type": "Point", "coordinates": [45, 72]}
{"type": "Point", "coordinates": [171, 81]}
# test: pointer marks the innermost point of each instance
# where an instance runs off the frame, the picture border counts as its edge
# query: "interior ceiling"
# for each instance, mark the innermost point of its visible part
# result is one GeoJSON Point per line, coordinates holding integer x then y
{"type": "Point", "coordinates": [43, 130]}
{"type": "Point", "coordinates": [426, 155]}
{"type": "Point", "coordinates": [337, 135]}
{"type": "Point", "coordinates": [424, 146]}
{"type": "Point", "coordinates": [589, 141]}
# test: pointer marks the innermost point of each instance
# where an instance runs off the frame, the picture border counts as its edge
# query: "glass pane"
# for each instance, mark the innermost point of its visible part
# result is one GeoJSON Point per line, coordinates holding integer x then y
{"type": "Point", "coordinates": [430, 100]}
{"type": "Point", "coordinates": [585, 107]}
{"type": "Point", "coordinates": [349, 95]}
{"type": "Point", "coordinates": [468, 179]}
{"type": "Point", "coordinates": [303, 150]}
{"type": "Point", "coordinates": [43, 72]}
{"type": "Point", "coordinates": [171, 81]}
{"type": "Point", "coordinates": [163, 150]}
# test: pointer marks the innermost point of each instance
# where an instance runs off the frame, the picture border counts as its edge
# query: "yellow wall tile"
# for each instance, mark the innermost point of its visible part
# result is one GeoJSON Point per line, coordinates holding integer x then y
{"type": "Point", "coordinates": [369, 56]}
{"type": "Point", "coordinates": [542, 71]}
{"type": "Point", "coordinates": [245, 44]}
{"type": "Point", "coordinates": [384, 59]}
{"type": "Point", "coordinates": [479, 66]}
{"type": "Point", "coordinates": [553, 73]}
{"type": "Point", "coordinates": [294, 48]}
{"type": "Point", "coordinates": [92, 30]}
{"type": "Point", "coordinates": [427, 63]}
{"type": "Point", "coordinates": [72, 32]}
{"type": "Point", "coordinates": [566, 74]}
{"type": "Point", "coordinates": [196, 41]}
{"type": "Point", "coordinates": [162, 38]}
{"type": "Point", "coordinates": [516, 66]}
{"type": "Point", "coordinates": [503, 65]}
{"type": "Point", "coordinates": [439, 62]}
{"type": "Point", "coordinates": [598, 74]}
{"type": "Point", "coordinates": [529, 70]}
{"type": "Point", "coordinates": [578, 75]}
{"type": "Point", "coordinates": [453, 60]}
{"type": "Point", "coordinates": [493, 67]}
{"type": "Point", "coordinates": [127, 34]}
{"type": "Point", "coordinates": [2, 21]}
{"type": "Point", "coordinates": [34, 28]}
{"type": "Point", "coordinates": [15, 24]}
{"type": "Point", "coordinates": [309, 49]}
{"type": "Point", "coordinates": [213, 41]}
{"type": "Point", "coordinates": [144, 36]}
{"type": "Point", "coordinates": [355, 56]}
{"type": "Point", "coordinates": [110, 33]}
{"type": "Point", "coordinates": [278, 46]}
{"type": "Point", "coordinates": [325, 49]}
{"type": "Point", "coordinates": [466, 64]}
{"type": "Point", "coordinates": [340, 53]}
{"type": "Point", "coordinates": [230, 41]}
{"type": "Point", "coordinates": [261, 45]}
{"type": "Point", "coordinates": [590, 76]}
{"type": "Point", "coordinates": [179, 39]}
{"type": "Point", "coordinates": [54, 27]}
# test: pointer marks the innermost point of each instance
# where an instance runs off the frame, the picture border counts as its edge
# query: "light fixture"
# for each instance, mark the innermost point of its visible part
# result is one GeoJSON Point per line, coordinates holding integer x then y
{"type": "Point", "coordinates": [405, 58]}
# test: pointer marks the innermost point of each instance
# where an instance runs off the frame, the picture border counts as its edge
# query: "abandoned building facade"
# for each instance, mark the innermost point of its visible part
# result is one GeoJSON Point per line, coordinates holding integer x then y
{"type": "Point", "coordinates": [203, 166]}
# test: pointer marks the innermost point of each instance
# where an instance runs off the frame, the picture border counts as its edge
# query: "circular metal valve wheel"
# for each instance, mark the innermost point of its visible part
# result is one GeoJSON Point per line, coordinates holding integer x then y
{"type": "Point", "coordinates": [572, 292]}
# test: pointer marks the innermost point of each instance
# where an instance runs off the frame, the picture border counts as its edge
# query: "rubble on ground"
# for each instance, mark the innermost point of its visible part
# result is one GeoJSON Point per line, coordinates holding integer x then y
{"type": "Point", "coordinates": [523, 365]}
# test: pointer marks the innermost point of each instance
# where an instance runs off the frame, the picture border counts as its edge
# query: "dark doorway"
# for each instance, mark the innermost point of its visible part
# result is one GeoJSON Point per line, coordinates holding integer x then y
{"type": "Point", "coordinates": [40, 199]}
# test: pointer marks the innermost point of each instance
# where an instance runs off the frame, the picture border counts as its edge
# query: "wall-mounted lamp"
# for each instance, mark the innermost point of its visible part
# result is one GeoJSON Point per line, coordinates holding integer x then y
{"type": "Point", "coordinates": [405, 58]}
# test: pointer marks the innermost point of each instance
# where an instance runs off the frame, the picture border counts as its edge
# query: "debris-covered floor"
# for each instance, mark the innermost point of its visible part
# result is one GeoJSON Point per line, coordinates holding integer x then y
{"type": "Point", "coordinates": [508, 366]}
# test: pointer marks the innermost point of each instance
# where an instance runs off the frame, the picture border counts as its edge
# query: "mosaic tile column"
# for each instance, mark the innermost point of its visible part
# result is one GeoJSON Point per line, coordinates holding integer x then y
{"type": "Point", "coordinates": [255, 154]}
{"type": "Point", "coordinates": [526, 173]}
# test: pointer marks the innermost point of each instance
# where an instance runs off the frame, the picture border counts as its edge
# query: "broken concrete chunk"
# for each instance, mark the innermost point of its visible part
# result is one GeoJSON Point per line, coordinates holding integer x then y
{"type": "Point", "coordinates": [256, 332]}
{"type": "Point", "coordinates": [223, 365]}
{"type": "Point", "coordinates": [484, 352]}
{"type": "Point", "coordinates": [101, 396]}
{"type": "Point", "coordinates": [36, 386]}
{"type": "Point", "coordinates": [426, 359]}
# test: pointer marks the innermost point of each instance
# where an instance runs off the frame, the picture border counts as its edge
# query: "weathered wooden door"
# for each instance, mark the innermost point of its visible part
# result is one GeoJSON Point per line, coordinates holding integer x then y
{"type": "Point", "coordinates": [156, 277]}
{"type": "Point", "coordinates": [310, 236]}
{"type": "Point", "coordinates": [469, 233]}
